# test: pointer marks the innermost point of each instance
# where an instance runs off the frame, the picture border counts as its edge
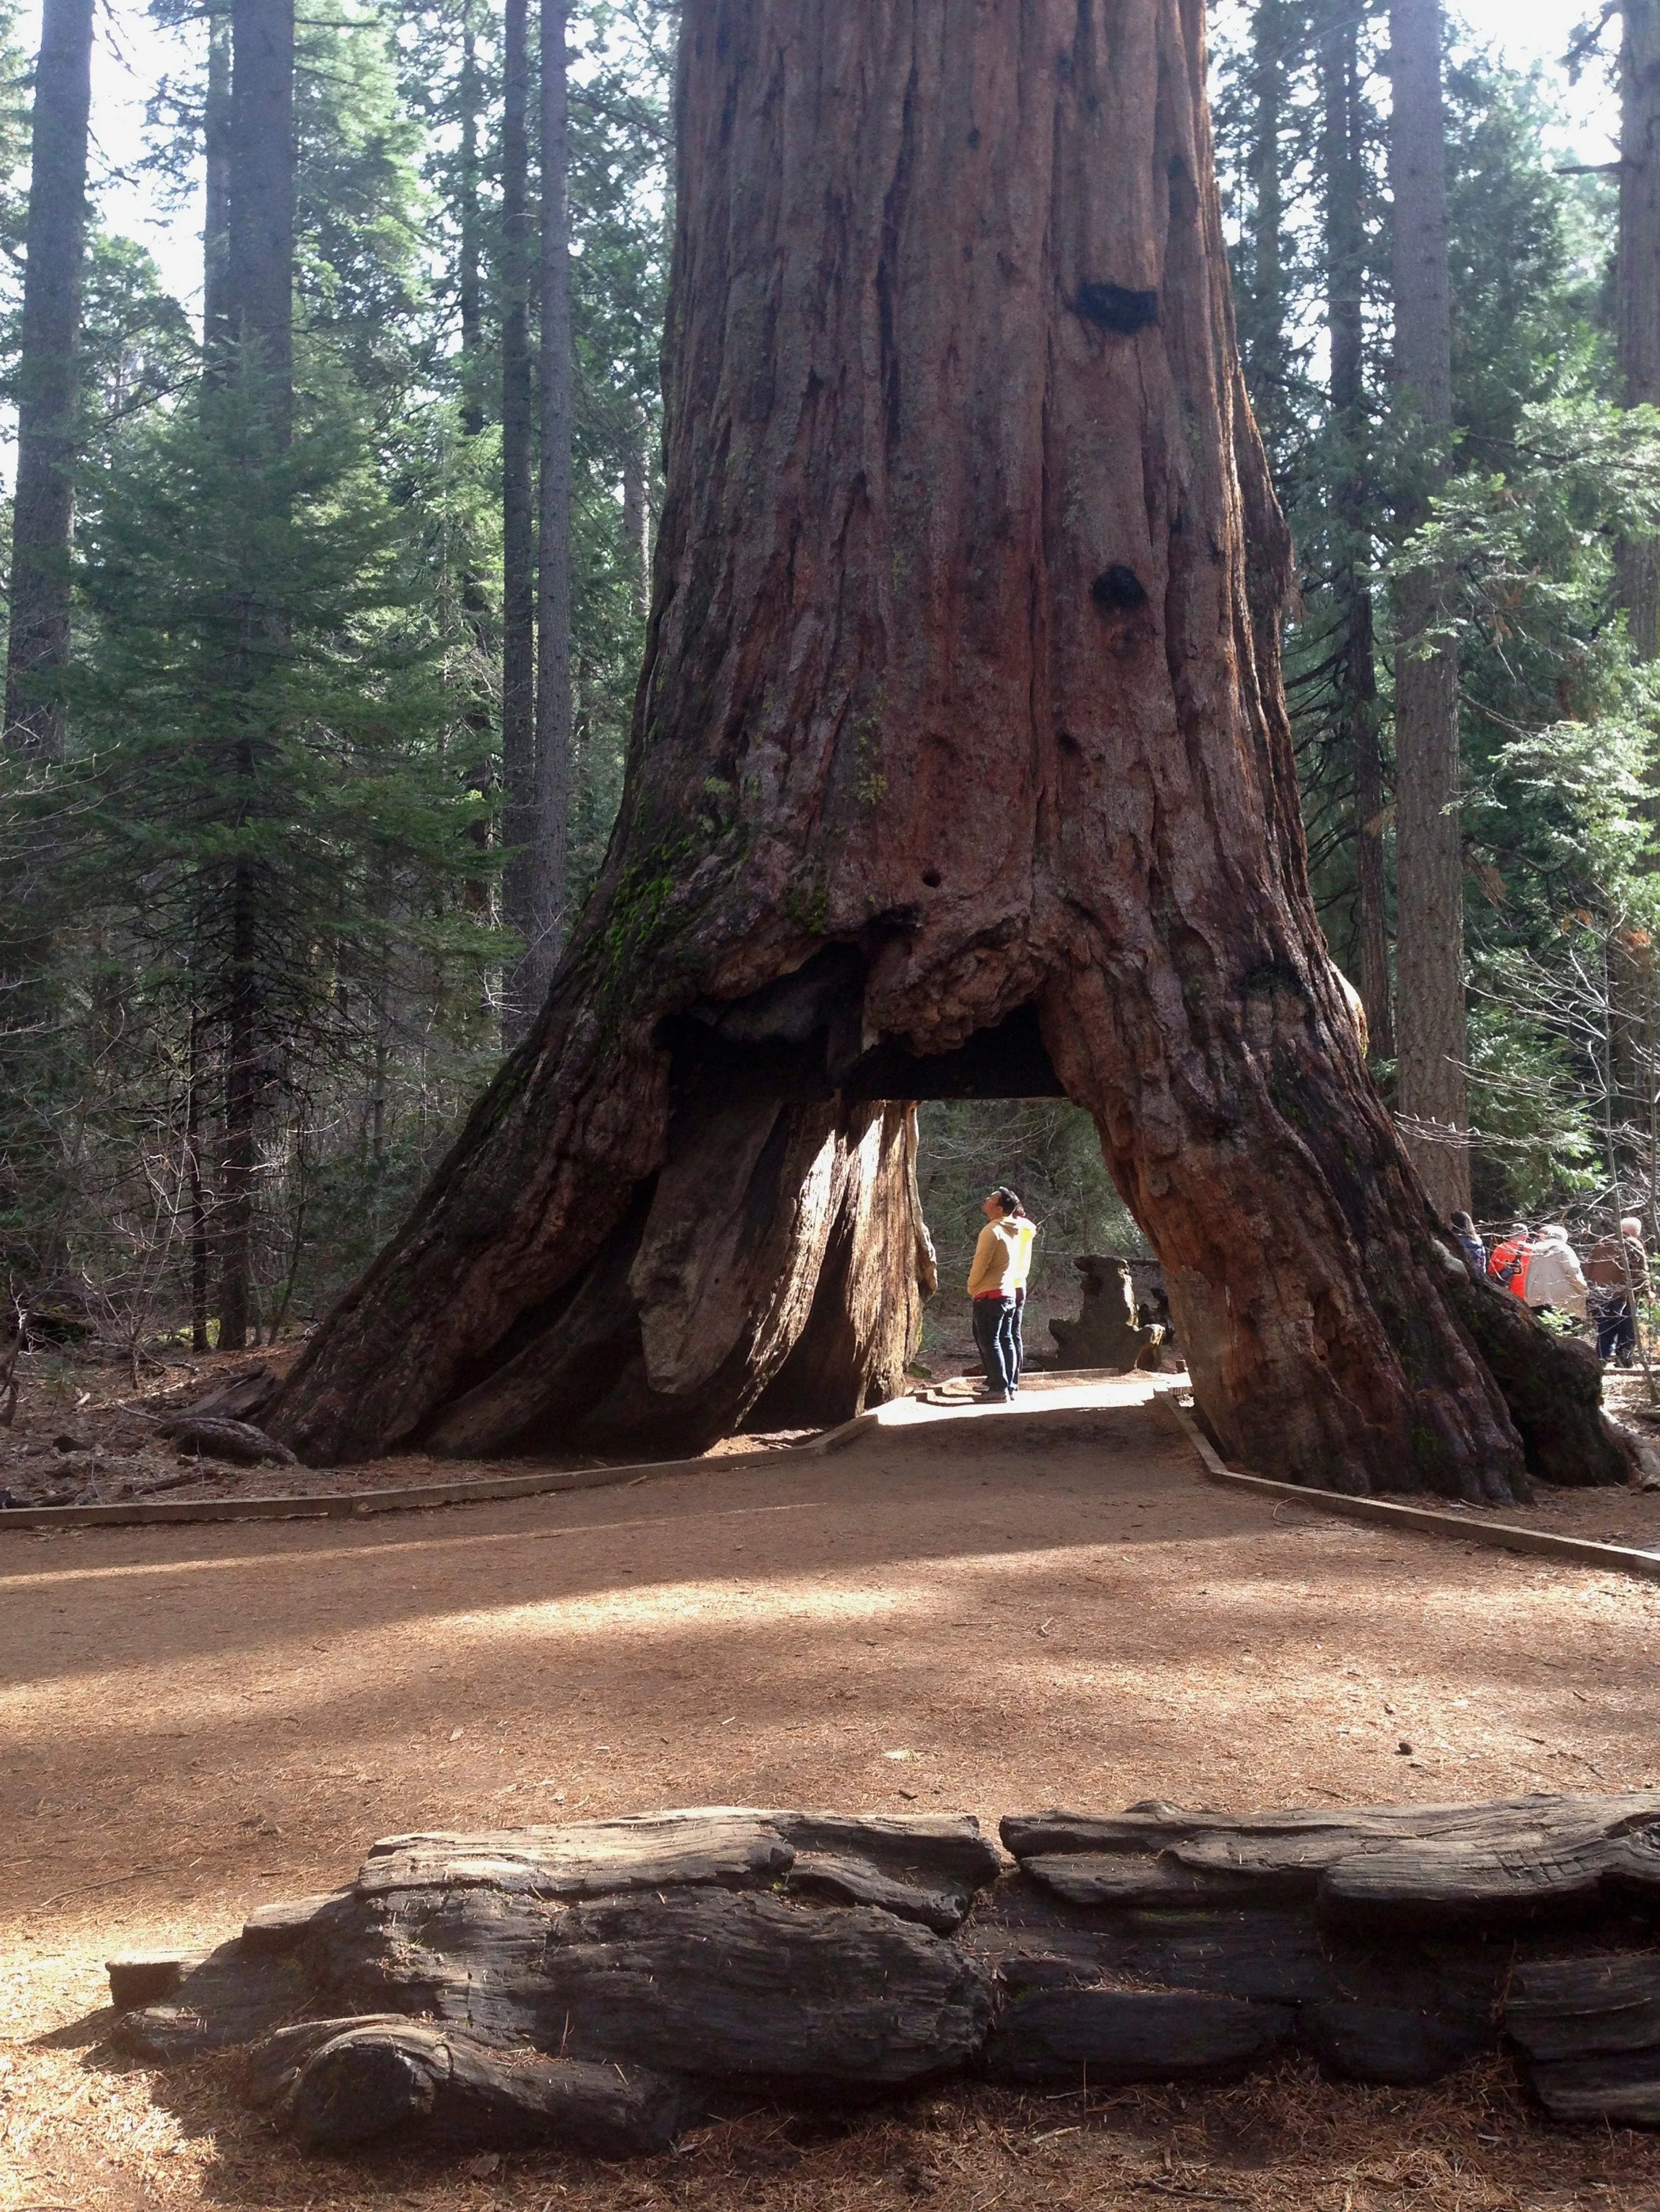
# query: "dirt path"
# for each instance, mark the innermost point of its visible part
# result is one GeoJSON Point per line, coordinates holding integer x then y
{"type": "Point", "coordinates": [992, 1610]}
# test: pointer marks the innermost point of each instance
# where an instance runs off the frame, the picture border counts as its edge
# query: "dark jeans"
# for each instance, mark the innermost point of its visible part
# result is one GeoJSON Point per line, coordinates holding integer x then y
{"type": "Point", "coordinates": [1014, 1344]}
{"type": "Point", "coordinates": [1616, 1326]}
{"type": "Point", "coordinates": [991, 1323]}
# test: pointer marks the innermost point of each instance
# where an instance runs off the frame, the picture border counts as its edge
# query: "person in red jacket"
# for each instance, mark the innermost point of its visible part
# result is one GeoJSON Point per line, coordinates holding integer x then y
{"type": "Point", "coordinates": [1507, 1262]}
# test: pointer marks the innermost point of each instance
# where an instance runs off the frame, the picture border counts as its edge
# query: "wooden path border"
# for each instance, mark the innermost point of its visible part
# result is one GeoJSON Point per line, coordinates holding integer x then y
{"type": "Point", "coordinates": [1495, 1535]}
{"type": "Point", "coordinates": [358, 1504]}
{"type": "Point", "coordinates": [422, 1498]}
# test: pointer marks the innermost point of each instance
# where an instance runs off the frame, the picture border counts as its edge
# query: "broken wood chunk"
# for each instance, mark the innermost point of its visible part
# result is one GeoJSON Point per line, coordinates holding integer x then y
{"type": "Point", "coordinates": [1127, 1878]}
{"type": "Point", "coordinates": [840, 1879]}
{"type": "Point", "coordinates": [946, 1850]}
{"type": "Point", "coordinates": [219, 2001]}
{"type": "Point", "coordinates": [1583, 2007]}
{"type": "Point", "coordinates": [353, 2081]}
{"type": "Point", "coordinates": [1620, 2088]}
{"type": "Point", "coordinates": [139, 1978]}
{"type": "Point", "coordinates": [282, 1927]}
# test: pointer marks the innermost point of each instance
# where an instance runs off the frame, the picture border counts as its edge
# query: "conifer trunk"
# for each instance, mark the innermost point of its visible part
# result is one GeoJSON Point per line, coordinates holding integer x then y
{"type": "Point", "coordinates": [636, 510]}
{"type": "Point", "coordinates": [1637, 283]}
{"type": "Point", "coordinates": [960, 767]}
{"type": "Point", "coordinates": [43, 513]}
{"type": "Point", "coordinates": [1429, 1025]}
{"type": "Point", "coordinates": [469, 261]}
{"type": "Point", "coordinates": [553, 694]}
{"type": "Point", "coordinates": [217, 133]}
{"type": "Point", "coordinates": [259, 314]}
{"type": "Point", "coordinates": [1637, 321]}
{"type": "Point", "coordinates": [1264, 346]}
{"type": "Point", "coordinates": [518, 527]}
{"type": "Point", "coordinates": [1355, 679]}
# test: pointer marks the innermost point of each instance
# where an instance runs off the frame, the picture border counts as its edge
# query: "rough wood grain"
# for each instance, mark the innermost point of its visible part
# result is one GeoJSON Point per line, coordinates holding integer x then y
{"type": "Point", "coordinates": [740, 1986]}
{"type": "Point", "coordinates": [1520, 1859]}
{"type": "Point", "coordinates": [590, 1859]}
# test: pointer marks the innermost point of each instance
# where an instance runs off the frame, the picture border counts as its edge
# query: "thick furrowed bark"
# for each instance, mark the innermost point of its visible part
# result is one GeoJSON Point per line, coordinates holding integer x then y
{"type": "Point", "coordinates": [962, 696]}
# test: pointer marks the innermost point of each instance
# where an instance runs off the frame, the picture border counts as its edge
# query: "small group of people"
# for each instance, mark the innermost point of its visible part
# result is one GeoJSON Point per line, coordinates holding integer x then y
{"type": "Point", "coordinates": [997, 1288]}
{"type": "Point", "coordinates": [1544, 1272]}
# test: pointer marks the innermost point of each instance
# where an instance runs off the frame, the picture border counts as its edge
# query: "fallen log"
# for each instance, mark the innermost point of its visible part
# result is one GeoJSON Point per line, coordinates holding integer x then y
{"type": "Point", "coordinates": [601, 1984]}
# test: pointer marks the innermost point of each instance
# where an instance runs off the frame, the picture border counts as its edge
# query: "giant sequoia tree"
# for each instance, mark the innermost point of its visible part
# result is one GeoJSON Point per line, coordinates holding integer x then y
{"type": "Point", "coordinates": [959, 765]}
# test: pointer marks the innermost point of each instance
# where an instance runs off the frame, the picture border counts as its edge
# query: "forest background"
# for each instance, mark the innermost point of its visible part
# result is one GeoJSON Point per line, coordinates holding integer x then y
{"type": "Point", "coordinates": [299, 804]}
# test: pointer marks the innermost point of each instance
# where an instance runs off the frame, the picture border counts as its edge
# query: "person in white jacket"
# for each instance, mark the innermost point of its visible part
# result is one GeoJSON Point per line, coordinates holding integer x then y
{"type": "Point", "coordinates": [1554, 1276]}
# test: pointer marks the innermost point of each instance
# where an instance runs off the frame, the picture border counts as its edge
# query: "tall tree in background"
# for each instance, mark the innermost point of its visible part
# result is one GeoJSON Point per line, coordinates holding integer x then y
{"type": "Point", "coordinates": [258, 410]}
{"type": "Point", "coordinates": [44, 511]}
{"type": "Point", "coordinates": [551, 838]}
{"type": "Point", "coordinates": [1430, 1011]}
{"type": "Point", "coordinates": [1263, 329]}
{"type": "Point", "coordinates": [517, 523]}
{"type": "Point", "coordinates": [1636, 283]}
{"type": "Point", "coordinates": [260, 223]}
{"type": "Point", "coordinates": [1353, 674]}
{"type": "Point", "coordinates": [217, 136]}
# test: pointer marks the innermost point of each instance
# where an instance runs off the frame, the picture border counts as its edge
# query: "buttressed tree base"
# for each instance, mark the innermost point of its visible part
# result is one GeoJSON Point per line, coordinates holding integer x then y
{"type": "Point", "coordinates": [959, 766]}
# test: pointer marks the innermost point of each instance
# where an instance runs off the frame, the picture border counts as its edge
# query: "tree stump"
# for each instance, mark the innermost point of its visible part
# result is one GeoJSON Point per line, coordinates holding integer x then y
{"type": "Point", "coordinates": [1107, 1334]}
{"type": "Point", "coordinates": [959, 767]}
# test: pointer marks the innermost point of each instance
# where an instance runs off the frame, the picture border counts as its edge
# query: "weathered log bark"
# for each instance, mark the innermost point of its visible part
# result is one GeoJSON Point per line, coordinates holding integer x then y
{"type": "Point", "coordinates": [600, 1984]}
{"type": "Point", "coordinates": [960, 766]}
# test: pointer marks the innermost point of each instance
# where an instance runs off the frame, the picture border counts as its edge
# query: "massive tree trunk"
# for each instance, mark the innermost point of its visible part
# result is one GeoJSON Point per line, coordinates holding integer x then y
{"type": "Point", "coordinates": [43, 512]}
{"type": "Point", "coordinates": [1429, 861]}
{"type": "Point", "coordinates": [1355, 679]}
{"type": "Point", "coordinates": [553, 700]}
{"type": "Point", "coordinates": [959, 766]}
{"type": "Point", "coordinates": [517, 524]}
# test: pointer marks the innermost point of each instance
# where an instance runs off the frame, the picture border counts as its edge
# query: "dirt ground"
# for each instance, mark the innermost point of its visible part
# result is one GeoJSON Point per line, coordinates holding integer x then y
{"type": "Point", "coordinates": [992, 1610]}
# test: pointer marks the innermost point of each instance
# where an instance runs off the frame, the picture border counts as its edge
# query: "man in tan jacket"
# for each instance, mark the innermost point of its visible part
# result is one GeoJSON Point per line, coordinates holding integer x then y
{"type": "Point", "coordinates": [991, 1288]}
{"type": "Point", "coordinates": [1617, 1271]}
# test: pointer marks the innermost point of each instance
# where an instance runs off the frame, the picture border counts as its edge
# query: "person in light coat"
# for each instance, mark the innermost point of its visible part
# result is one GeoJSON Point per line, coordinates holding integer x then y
{"type": "Point", "coordinates": [1554, 1276]}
